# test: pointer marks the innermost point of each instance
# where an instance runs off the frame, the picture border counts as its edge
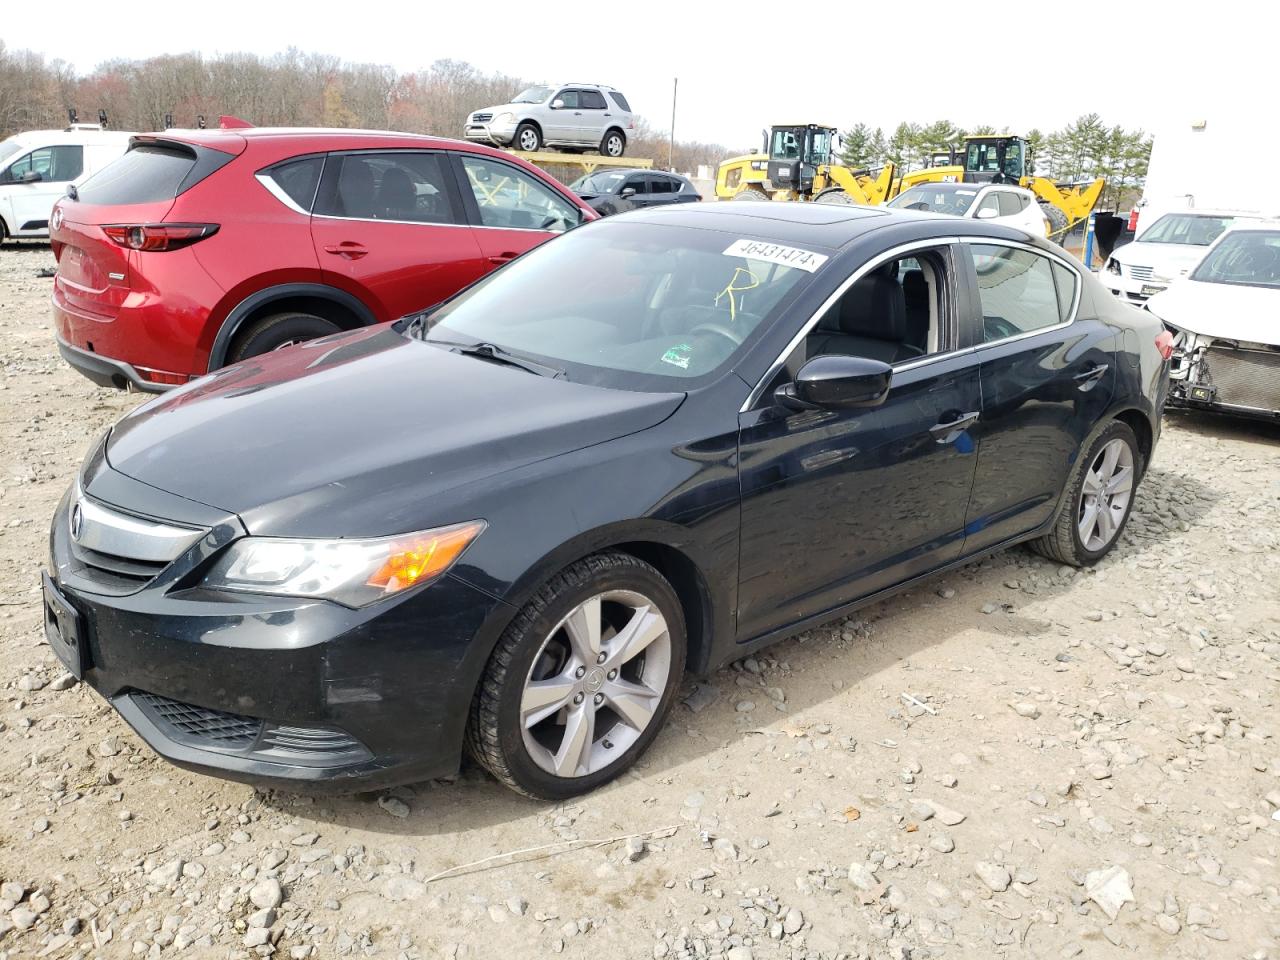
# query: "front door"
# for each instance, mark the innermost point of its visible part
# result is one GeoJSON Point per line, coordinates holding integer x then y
{"type": "Point", "coordinates": [32, 202]}
{"type": "Point", "coordinates": [511, 210]}
{"type": "Point", "coordinates": [388, 228]}
{"type": "Point", "coordinates": [839, 504]}
{"type": "Point", "coordinates": [563, 122]}
{"type": "Point", "coordinates": [1048, 373]}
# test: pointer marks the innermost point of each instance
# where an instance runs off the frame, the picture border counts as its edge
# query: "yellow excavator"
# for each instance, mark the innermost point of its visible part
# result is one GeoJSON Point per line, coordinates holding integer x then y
{"type": "Point", "coordinates": [799, 164]}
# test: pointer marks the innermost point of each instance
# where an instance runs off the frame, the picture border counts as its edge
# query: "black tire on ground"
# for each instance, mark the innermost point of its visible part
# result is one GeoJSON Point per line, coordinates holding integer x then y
{"type": "Point", "coordinates": [614, 144]}
{"type": "Point", "coordinates": [1057, 223]}
{"type": "Point", "coordinates": [528, 138]}
{"type": "Point", "coordinates": [4, 233]}
{"type": "Point", "coordinates": [834, 195]}
{"type": "Point", "coordinates": [751, 193]}
{"type": "Point", "coordinates": [494, 733]}
{"type": "Point", "coordinates": [1062, 543]}
{"type": "Point", "coordinates": [279, 330]}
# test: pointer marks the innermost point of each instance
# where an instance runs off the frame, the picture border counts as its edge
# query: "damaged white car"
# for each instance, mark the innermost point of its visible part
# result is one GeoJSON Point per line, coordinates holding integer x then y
{"type": "Point", "coordinates": [1225, 318]}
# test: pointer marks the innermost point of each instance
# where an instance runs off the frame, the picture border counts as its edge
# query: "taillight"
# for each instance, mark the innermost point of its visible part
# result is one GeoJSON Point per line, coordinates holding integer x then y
{"type": "Point", "coordinates": [1133, 219]}
{"type": "Point", "coordinates": [158, 236]}
{"type": "Point", "coordinates": [1164, 343]}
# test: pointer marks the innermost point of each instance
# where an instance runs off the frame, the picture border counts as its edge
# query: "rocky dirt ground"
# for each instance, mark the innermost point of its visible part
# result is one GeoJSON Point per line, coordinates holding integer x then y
{"type": "Point", "coordinates": [1018, 760]}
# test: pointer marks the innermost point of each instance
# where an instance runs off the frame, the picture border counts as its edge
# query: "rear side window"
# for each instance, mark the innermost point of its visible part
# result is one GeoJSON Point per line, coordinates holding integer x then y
{"type": "Point", "coordinates": [592, 100]}
{"type": "Point", "coordinates": [396, 185]}
{"type": "Point", "coordinates": [298, 179]}
{"type": "Point", "coordinates": [1009, 204]}
{"type": "Point", "coordinates": [620, 100]}
{"type": "Point", "coordinates": [1066, 281]}
{"type": "Point", "coordinates": [146, 174]}
{"type": "Point", "coordinates": [1018, 290]}
{"type": "Point", "coordinates": [664, 185]}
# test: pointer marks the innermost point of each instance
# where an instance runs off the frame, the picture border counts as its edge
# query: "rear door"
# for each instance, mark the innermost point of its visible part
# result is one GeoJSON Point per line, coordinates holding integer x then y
{"type": "Point", "coordinates": [592, 122]}
{"type": "Point", "coordinates": [510, 210]}
{"type": "Point", "coordinates": [389, 228]}
{"type": "Point", "coordinates": [663, 189]}
{"type": "Point", "coordinates": [1047, 368]}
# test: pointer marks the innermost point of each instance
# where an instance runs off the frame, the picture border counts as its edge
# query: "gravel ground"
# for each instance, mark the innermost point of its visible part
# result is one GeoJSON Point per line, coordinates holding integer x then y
{"type": "Point", "coordinates": [1018, 759]}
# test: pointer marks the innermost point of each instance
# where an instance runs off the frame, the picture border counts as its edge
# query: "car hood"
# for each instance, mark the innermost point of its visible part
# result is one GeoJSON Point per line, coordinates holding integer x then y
{"type": "Point", "coordinates": [504, 108]}
{"type": "Point", "coordinates": [1167, 261]}
{"type": "Point", "coordinates": [369, 425]}
{"type": "Point", "coordinates": [1224, 310]}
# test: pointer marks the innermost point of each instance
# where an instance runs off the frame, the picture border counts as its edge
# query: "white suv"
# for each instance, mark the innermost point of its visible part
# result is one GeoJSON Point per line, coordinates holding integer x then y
{"type": "Point", "coordinates": [568, 115]}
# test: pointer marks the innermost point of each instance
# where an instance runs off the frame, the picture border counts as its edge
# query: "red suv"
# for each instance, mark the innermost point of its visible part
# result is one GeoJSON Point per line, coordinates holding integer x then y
{"type": "Point", "coordinates": [202, 247]}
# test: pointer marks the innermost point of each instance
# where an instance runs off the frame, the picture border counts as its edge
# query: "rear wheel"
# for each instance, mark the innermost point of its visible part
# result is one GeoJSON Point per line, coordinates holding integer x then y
{"type": "Point", "coordinates": [581, 680]}
{"type": "Point", "coordinates": [528, 138]}
{"type": "Point", "coordinates": [278, 331]}
{"type": "Point", "coordinates": [613, 144]}
{"type": "Point", "coordinates": [1098, 501]}
{"type": "Point", "coordinates": [1057, 223]}
{"type": "Point", "coordinates": [834, 195]}
{"type": "Point", "coordinates": [751, 193]}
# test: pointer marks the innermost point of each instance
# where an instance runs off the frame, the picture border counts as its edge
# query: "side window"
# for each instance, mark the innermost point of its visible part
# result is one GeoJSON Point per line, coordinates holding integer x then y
{"type": "Point", "coordinates": [638, 184]}
{"type": "Point", "coordinates": [52, 163]}
{"type": "Point", "coordinates": [1065, 280]}
{"type": "Point", "coordinates": [511, 198]}
{"type": "Point", "coordinates": [570, 98]}
{"type": "Point", "coordinates": [395, 185]}
{"type": "Point", "coordinates": [298, 179]}
{"type": "Point", "coordinates": [592, 100]}
{"type": "Point", "coordinates": [620, 100]}
{"type": "Point", "coordinates": [1009, 204]}
{"type": "Point", "coordinates": [989, 203]}
{"type": "Point", "coordinates": [1023, 201]}
{"type": "Point", "coordinates": [662, 185]}
{"type": "Point", "coordinates": [1017, 289]}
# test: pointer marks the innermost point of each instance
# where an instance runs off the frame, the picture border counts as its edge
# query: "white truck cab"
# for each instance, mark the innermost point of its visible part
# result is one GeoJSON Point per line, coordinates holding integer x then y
{"type": "Point", "coordinates": [36, 168]}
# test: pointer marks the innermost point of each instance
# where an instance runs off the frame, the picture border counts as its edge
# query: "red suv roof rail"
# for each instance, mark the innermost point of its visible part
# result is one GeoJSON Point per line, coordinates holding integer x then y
{"type": "Point", "coordinates": [232, 123]}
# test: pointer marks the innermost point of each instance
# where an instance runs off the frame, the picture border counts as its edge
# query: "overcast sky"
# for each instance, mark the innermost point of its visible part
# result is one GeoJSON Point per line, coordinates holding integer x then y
{"type": "Point", "coordinates": [1020, 65]}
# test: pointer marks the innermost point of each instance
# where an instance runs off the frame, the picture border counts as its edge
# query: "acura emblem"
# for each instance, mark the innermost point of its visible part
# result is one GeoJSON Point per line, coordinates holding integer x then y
{"type": "Point", "coordinates": [56, 221]}
{"type": "Point", "coordinates": [76, 521]}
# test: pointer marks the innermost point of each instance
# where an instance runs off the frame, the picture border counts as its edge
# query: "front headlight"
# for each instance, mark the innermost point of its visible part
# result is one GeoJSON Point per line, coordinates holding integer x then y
{"type": "Point", "coordinates": [350, 572]}
{"type": "Point", "coordinates": [1113, 266]}
{"type": "Point", "coordinates": [759, 165]}
{"type": "Point", "coordinates": [506, 118]}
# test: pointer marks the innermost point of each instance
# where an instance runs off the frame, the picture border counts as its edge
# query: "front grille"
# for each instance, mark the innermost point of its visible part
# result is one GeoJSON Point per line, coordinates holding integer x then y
{"type": "Point", "coordinates": [1139, 273]}
{"type": "Point", "coordinates": [1245, 378]}
{"type": "Point", "coordinates": [481, 117]}
{"type": "Point", "coordinates": [122, 552]}
{"type": "Point", "coordinates": [200, 726]}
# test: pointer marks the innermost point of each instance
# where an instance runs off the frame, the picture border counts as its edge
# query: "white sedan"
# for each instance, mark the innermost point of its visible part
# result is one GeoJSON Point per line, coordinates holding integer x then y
{"type": "Point", "coordinates": [1164, 251]}
{"type": "Point", "coordinates": [1224, 319]}
{"type": "Point", "coordinates": [1000, 202]}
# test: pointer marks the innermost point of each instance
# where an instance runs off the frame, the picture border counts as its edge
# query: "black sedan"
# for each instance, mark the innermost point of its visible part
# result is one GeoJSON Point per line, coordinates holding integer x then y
{"type": "Point", "coordinates": [514, 522]}
{"type": "Point", "coordinates": [617, 191]}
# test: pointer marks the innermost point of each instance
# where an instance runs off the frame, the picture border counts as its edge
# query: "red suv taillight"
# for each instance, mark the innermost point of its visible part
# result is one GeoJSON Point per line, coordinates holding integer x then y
{"type": "Point", "coordinates": [158, 236]}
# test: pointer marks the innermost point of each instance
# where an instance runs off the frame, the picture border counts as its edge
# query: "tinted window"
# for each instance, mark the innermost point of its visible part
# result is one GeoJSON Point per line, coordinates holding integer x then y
{"type": "Point", "coordinates": [511, 198]}
{"type": "Point", "coordinates": [299, 179]}
{"type": "Point", "coordinates": [145, 174]}
{"type": "Point", "coordinates": [592, 100]}
{"type": "Point", "coordinates": [52, 163]}
{"type": "Point", "coordinates": [638, 184]}
{"type": "Point", "coordinates": [396, 185]}
{"type": "Point", "coordinates": [663, 185]}
{"type": "Point", "coordinates": [1066, 281]}
{"type": "Point", "coordinates": [1017, 291]}
{"type": "Point", "coordinates": [1009, 204]}
{"type": "Point", "coordinates": [620, 100]}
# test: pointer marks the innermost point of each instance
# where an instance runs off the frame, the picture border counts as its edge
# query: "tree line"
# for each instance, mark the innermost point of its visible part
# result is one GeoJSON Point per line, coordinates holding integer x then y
{"type": "Point", "coordinates": [1082, 150]}
{"type": "Point", "coordinates": [286, 89]}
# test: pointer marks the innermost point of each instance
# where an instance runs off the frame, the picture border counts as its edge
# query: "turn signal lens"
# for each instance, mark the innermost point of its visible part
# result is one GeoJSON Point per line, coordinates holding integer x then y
{"type": "Point", "coordinates": [158, 236]}
{"type": "Point", "coordinates": [423, 558]}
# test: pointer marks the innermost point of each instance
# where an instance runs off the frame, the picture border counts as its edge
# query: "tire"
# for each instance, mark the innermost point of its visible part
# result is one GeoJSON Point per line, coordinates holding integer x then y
{"type": "Point", "coordinates": [523, 755]}
{"type": "Point", "coordinates": [614, 144]}
{"type": "Point", "coordinates": [1057, 223]}
{"type": "Point", "coordinates": [4, 233]}
{"type": "Point", "coordinates": [528, 138]}
{"type": "Point", "coordinates": [835, 195]}
{"type": "Point", "coordinates": [1065, 542]}
{"type": "Point", "coordinates": [277, 331]}
{"type": "Point", "coordinates": [750, 193]}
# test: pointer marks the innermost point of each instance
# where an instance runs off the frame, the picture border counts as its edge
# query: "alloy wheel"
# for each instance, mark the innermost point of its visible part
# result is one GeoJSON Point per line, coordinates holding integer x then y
{"type": "Point", "coordinates": [1105, 495]}
{"type": "Point", "coordinates": [529, 140]}
{"type": "Point", "coordinates": [613, 145]}
{"type": "Point", "coordinates": [595, 684]}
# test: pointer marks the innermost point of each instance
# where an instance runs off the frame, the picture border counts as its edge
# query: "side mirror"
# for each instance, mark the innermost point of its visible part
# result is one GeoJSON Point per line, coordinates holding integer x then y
{"type": "Point", "coordinates": [627, 192]}
{"type": "Point", "coordinates": [31, 176]}
{"type": "Point", "coordinates": [557, 104]}
{"type": "Point", "coordinates": [836, 383]}
{"type": "Point", "coordinates": [988, 213]}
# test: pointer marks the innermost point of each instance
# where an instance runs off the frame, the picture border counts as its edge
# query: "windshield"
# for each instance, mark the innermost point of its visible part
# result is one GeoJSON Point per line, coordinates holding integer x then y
{"type": "Point", "coordinates": [638, 306]}
{"type": "Point", "coordinates": [7, 149]}
{"type": "Point", "coordinates": [1199, 231]}
{"type": "Point", "coordinates": [532, 95]}
{"type": "Point", "coordinates": [598, 183]}
{"type": "Point", "coordinates": [1249, 258]}
{"type": "Point", "coordinates": [954, 202]}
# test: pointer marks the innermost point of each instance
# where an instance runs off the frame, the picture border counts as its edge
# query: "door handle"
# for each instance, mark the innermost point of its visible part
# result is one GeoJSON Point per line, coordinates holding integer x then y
{"type": "Point", "coordinates": [1089, 378]}
{"type": "Point", "coordinates": [948, 431]}
{"type": "Point", "coordinates": [348, 249]}
{"type": "Point", "coordinates": [505, 257]}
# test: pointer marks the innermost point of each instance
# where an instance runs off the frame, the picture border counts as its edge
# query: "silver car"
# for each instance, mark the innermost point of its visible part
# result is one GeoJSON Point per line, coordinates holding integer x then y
{"type": "Point", "coordinates": [573, 115]}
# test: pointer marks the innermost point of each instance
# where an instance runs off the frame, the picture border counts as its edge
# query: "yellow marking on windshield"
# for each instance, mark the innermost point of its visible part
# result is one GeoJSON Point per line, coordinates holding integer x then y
{"type": "Point", "coordinates": [733, 288]}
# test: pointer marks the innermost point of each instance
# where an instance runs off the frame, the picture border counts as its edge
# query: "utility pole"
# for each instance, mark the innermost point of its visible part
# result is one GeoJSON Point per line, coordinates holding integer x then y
{"type": "Point", "coordinates": [671, 146]}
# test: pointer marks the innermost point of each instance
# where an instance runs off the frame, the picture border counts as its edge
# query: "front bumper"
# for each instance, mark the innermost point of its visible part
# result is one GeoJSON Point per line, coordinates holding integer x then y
{"type": "Point", "coordinates": [499, 134]}
{"type": "Point", "coordinates": [1225, 377]}
{"type": "Point", "coordinates": [299, 694]}
{"type": "Point", "coordinates": [1130, 289]}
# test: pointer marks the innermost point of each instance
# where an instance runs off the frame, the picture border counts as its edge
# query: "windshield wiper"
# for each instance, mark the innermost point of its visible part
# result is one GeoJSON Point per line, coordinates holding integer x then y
{"type": "Point", "coordinates": [496, 354]}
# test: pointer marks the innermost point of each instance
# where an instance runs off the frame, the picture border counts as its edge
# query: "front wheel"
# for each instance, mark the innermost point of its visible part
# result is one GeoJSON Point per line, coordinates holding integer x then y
{"type": "Point", "coordinates": [582, 679]}
{"type": "Point", "coordinates": [613, 144]}
{"type": "Point", "coordinates": [528, 138]}
{"type": "Point", "coordinates": [835, 195]}
{"type": "Point", "coordinates": [1098, 501]}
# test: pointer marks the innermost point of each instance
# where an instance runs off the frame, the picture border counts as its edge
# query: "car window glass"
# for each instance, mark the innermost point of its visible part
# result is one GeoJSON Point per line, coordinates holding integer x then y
{"type": "Point", "coordinates": [638, 184]}
{"type": "Point", "coordinates": [989, 202]}
{"type": "Point", "coordinates": [395, 185]}
{"type": "Point", "coordinates": [620, 100]}
{"type": "Point", "coordinates": [146, 174]}
{"type": "Point", "coordinates": [1016, 289]}
{"type": "Point", "coordinates": [1023, 201]}
{"type": "Point", "coordinates": [570, 98]}
{"type": "Point", "coordinates": [1066, 281]}
{"type": "Point", "coordinates": [299, 179]}
{"type": "Point", "coordinates": [52, 163]}
{"type": "Point", "coordinates": [592, 100]}
{"type": "Point", "coordinates": [1008, 203]}
{"type": "Point", "coordinates": [661, 185]}
{"type": "Point", "coordinates": [511, 198]}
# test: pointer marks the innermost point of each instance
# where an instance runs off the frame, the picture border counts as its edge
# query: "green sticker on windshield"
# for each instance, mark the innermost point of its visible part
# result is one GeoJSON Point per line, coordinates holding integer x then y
{"type": "Point", "coordinates": [678, 356]}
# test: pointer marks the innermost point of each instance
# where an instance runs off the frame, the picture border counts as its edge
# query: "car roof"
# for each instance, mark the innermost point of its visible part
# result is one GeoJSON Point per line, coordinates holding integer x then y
{"type": "Point", "coordinates": [951, 187]}
{"type": "Point", "coordinates": [1257, 224]}
{"type": "Point", "coordinates": [1215, 212]}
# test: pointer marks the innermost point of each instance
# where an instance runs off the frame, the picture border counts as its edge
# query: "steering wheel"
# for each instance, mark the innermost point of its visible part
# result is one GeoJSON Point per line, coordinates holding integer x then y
{"type": "Point", "coordinates": [718, 328]}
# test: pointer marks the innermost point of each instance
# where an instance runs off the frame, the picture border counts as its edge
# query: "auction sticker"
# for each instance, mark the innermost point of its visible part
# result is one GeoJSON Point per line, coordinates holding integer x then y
{"type": "Point", "coordinates": [805, 260]}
